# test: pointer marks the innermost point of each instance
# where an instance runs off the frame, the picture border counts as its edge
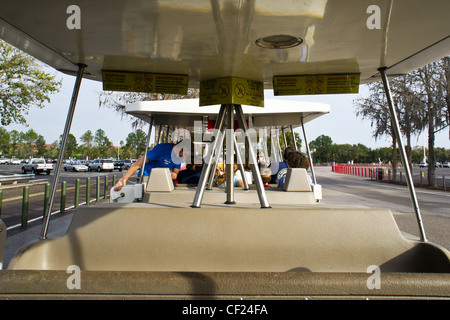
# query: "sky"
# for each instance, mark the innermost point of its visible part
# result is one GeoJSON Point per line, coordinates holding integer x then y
{"type": "Point", "coordinates": [341, 124]}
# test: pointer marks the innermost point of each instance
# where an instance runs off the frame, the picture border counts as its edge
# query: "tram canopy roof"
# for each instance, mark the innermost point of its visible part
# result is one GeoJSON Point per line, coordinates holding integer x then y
{"type": "Point", "coordinates": [223, 38]}
{"type": "Point", "coordinates": [276, 112]}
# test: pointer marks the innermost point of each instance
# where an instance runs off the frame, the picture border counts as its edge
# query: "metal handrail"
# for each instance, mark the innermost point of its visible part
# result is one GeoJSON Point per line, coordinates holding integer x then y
{"type": "Point", "coordinates": [17, 177]}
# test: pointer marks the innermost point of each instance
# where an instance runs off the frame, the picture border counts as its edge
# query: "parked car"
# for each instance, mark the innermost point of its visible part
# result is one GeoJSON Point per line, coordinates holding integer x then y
{"type": "Point", "coordinates": [4, 161]}
{"type": "Point", "coordinates": [118, 165]}
{"type": "Point", "coordinates": [423, 165]}
{"type": "Point", "coordinates": [128, 163]}
{"type": "Point", "coordinates": [101, 165]}
{"type": "Point", "coordinates": [75, 166]}
{"type": "Point", "coordinates": [37, 166]}
{"type": "Point", "coordinates": [446, 164]}
{"type": "Point", "coordinates": [14, 161]}
{"type": "Point", "coordinates": [437, 164]}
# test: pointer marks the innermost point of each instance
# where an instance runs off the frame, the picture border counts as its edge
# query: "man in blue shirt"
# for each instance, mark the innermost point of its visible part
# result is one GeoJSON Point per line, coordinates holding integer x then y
{"type": "Point", "coordinates": [164, 155]}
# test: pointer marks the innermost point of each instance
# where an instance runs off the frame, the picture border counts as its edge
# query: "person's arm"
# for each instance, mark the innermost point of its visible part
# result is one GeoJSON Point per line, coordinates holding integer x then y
{"type": "Point", "coordinates": [174, 173]}
{"type": "Point", "coordinates": [135, 167]}
{"type": "Point", "coordinates": [240, 183]}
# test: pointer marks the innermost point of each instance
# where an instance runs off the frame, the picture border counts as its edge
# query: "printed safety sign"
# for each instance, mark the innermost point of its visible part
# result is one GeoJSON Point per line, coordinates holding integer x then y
{"type": "Point", "coordinates": [145, 82]}
{"type": "Point", "coordinates": [315, 84]}
{"type": "Point", "coordinates": [231, 90]}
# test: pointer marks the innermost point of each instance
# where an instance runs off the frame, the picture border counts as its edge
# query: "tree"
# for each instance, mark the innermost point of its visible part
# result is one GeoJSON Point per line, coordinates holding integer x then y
{"type": "Point", "coordinates": [375, 109]}
{"type": "Point", "coordinates": [40, 146]}
{"type": "Point", "coordinates": [289, 140]}
{"type": "Point", "coordinates": [323, 151]}
{"type": "Point", "coordinates": [71, 145]}
{"type": "Point", "coordinates": [22, 84]}
{"type": "Point", "coordinates": [87, 138]}
{"type": "Point", "coordinates": [421, 100]}
{"type": "Point", "coordinates": [135, 143]}
{"type": "Point", "coordinates": [14, 141]}
{"type": "Point", "coordinates": [118, 100]}
{"type": "Point", "coordinates": [29, 139]}
{"type": "Point", "coordinates": [102, 142]}
{"type": "Point", "coordinates": [4, 141]}
{"type": "Point", "coordinates": [432, 83]}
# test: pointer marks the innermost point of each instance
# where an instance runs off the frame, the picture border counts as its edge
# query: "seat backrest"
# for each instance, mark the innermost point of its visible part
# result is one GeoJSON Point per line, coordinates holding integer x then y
{"type": "Point", "coordinates": [297, 180]}
{"type": "Point", "coordinates": [160, 180]}
{"type": "Point", "coordinates": [136, 237]}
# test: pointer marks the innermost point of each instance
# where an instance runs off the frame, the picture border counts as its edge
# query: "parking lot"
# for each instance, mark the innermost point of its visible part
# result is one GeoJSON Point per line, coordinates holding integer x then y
{"type": "Point", "coordinates": [12, 194]}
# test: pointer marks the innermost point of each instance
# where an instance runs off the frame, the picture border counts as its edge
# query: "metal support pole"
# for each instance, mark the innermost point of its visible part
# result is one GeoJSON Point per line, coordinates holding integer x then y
{"type": "Point", "coordinates": [309, 153]}
{"type": "Point", "coordinates": [159, 134]}
{"type": "Point", "coordinates": [240, 164]}
{"type": "Point", "coordinates": [166, 138]}
{"type": "Point", "coordinates": [293, 138]}
{"type": "Point", "coordinates": [284, 138]}
{"type": "Point", "coordinates": [216, 158]}
{"type": "Point", "coordinates": [404, 157]}
{"type": "Point", "coordinates": [146, 148]}
{"type": "Point", "coordinates": [62, 149]}
{"type": "Point", "coordinates": [208, 161]}
{"type": "Point", "coordinates": [229, 171]}
{"type": "Point", "coordinates": [253, 162]}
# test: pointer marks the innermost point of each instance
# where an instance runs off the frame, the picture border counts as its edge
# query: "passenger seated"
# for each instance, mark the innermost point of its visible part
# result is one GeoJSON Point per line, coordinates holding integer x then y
{"type": "Point", "coordinates": [280, 167]}
{"type": "Point", "coordinates": [247, 172]}
{"type": "Point", "coordinates": [192, 173]}
{"type": "Point", "coordinates": [221, 179]}
{"type": "Point", "coordinates": [266, 177]}
{"type": "Point", "coordinates": [296, 159]}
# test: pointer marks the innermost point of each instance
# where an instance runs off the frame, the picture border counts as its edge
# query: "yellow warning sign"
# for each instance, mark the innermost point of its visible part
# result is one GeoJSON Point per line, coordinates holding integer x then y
{"type": "Point", "coordinates": [231, 90]}
{"type": "Point", "coordinates": [145, 82]}
{"type": "Point", "coordinates": [316, 84]}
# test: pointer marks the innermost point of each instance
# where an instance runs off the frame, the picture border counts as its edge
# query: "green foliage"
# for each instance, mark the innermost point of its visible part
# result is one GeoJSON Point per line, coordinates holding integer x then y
{"type": "Point", "coordinates": [22, 84]}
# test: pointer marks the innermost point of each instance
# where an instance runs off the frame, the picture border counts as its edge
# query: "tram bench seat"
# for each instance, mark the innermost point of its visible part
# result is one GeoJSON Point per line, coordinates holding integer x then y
{"type": "Point", "coordinates": [297, 180]}
{"type": "Point", "coordinates": [134, 237]}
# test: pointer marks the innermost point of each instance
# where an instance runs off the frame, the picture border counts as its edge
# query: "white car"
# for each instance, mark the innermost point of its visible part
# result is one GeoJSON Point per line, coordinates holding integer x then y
{"type": "Point", "coordinates": [14, 161]}
{"type": "Point", "coordinates": [101, 165]}
{"type": "Point", "coordinates": [128, 163]}
{"type": "Point", "coordinates": [75, 166]}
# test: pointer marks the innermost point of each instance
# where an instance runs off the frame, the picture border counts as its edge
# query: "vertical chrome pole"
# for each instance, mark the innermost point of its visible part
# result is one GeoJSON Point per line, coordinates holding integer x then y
{"type": "Point", "coordinates": [166, 140]}
{"type": "Point", "coordinates": [159, 134]}
{"type": "Point", "coordinates": [208, 161]}
{"type": "Point", "coordinates": [240, 163]}
{"type": "Point", "coordinates": [293, 138]}
{"type": "Point", "coordinates": [150, 125]}
{"type": "Point", "coordinates": [404, 157]}
{"type": "Point", "coordinates": [217, 153]}
{"type": "Point", "coordinates": [284, 138]}
{"type": "Point", "coordinates": [253, 162]}
{"type": "Point", "coordinates": [229, 171]}
{"type": "Point", "coordinates": [309, 153]}
{"type": "Point", "coordinates": [62, 149]}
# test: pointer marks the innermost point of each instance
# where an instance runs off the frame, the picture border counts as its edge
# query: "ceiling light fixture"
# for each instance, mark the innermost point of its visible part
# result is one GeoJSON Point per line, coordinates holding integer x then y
{"type": "Point", "coordinates": [279, 41]}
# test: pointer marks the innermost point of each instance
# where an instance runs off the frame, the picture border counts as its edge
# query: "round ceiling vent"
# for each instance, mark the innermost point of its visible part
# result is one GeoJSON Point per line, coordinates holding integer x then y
{"type": "Point", "coordinates": [279, 41]}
